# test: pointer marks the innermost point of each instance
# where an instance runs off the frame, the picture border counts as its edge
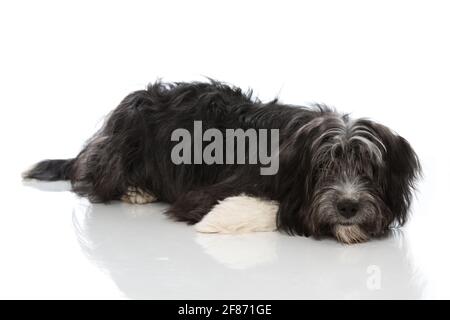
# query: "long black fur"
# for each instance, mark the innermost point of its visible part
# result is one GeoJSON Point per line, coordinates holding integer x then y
{"type": "Point", "coordinates": [133, 149]}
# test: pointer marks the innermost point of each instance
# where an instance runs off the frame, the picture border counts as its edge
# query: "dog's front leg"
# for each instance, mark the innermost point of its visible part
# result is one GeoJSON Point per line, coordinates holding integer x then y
{"type": "Point", "coordinates": [240, 214]}
{"type": "Point", "coordinates": [192, 206]}
{"type": "Point", "coordinates": [222, 209]}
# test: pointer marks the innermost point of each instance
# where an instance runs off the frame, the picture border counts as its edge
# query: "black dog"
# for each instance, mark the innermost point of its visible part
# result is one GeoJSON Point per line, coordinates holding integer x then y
{"type": "Point", "coordinates": [348, 178]}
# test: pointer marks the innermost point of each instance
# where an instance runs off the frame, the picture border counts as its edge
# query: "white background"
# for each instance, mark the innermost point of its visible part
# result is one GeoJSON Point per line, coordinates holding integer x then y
{"type": "Point", "coordinates": [65, 64]}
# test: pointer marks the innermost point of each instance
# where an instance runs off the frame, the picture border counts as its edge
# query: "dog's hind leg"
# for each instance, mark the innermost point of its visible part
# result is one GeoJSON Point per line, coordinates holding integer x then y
{"type": "Point", "coordinates": [138, 196]}
{"type": "Point", "coordinates": [113, 160]}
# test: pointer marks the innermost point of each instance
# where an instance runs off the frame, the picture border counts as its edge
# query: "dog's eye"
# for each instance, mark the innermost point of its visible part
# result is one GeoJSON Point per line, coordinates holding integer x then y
{"type": "Point", "coordinates": [321, 167]}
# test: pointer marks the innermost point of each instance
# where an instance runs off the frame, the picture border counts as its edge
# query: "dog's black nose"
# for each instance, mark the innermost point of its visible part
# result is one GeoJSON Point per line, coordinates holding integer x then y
{"type": "Point", "coordinates": [348, 208]}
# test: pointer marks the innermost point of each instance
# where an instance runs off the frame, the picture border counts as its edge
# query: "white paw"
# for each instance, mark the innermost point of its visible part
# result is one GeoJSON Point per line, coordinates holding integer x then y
{"type": "Point", "coordinates": [240, 214]}
{"type": "Point", "coordinates": [137, 196]}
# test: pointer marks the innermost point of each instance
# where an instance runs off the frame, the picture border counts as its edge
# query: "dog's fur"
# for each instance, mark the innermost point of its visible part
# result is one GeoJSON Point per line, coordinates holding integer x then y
{"type": "Point", "coordinates": [325, 158]}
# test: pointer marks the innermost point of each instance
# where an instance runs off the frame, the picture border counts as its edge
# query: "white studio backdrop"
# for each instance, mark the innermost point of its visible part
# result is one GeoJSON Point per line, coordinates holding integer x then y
{"type": "Point", "coordinates": [65, 64]}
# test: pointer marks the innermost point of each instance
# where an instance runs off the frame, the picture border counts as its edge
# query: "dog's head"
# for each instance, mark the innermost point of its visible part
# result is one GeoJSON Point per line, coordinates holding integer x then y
{"type": "Point", "coordinates": [349, 178]}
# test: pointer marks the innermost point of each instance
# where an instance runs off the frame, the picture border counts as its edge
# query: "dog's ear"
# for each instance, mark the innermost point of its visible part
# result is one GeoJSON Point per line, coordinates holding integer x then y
{"type": "Point", "coordinates": [400, 171]}
{"type": "Point", "coordinates": [294, 183]}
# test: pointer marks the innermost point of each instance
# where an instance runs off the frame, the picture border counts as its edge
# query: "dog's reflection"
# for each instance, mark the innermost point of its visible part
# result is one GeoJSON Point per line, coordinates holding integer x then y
{"type": "Point", "coordinates": [51, 186]}
{"type": "Point", "coordinates": [148, 256]}
{"type": "Point", "coordinates": [240, 251]}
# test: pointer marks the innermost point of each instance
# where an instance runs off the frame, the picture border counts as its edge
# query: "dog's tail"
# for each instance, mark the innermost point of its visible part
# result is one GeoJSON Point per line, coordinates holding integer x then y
{"type": "Point", "coordinates": [50, 170]}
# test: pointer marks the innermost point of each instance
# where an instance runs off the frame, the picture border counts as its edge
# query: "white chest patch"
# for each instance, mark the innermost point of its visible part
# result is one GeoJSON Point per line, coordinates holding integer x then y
{"type": "Point", "coordinates": [240, 214]}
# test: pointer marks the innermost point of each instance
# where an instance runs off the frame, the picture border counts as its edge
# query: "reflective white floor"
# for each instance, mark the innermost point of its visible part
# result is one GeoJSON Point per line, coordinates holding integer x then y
{"type": "Point", "coordinates": [55, 245]}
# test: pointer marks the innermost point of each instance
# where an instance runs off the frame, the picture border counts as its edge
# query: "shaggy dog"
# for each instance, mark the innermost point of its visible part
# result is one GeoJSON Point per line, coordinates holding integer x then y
{"type": "Point", "coordinates": [349, 178]}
